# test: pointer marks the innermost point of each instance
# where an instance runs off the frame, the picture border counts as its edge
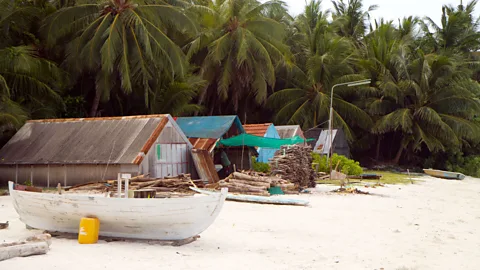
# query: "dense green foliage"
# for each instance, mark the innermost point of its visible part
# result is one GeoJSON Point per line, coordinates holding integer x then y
{"type": "Point", "coordinates": [260, 166]}
{"type": "Point", "coordinates": [345, 165]}
{"type": "Point", "coordinates": [469, 166]}
{"type": "Point", "coordinates": [82, 58]}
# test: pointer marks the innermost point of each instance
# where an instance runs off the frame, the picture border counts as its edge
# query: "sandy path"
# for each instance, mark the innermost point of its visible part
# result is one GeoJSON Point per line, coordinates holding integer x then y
{"type": "Point", "coordinates": [432, 225]}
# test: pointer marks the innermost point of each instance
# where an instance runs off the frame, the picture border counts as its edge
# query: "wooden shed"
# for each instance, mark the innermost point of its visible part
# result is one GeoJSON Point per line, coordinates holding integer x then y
{"type": "Point", "coordinates": [204, 132]}
{"type": "Point", "coordinates": [287, 132]}
{"type": "Point", "coordinates": [267, 131]}
{"type": "Point", "coordinates": [75, 151]}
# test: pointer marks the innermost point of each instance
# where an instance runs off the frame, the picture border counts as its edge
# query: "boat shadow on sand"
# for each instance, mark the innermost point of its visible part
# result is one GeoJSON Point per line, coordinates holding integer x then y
{"type": "Point", "coordinates": [174, 243]}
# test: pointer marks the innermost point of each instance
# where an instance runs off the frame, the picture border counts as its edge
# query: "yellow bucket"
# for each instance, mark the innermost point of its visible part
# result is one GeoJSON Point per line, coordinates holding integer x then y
{"type": "Point", "coordinates": [88, 231]}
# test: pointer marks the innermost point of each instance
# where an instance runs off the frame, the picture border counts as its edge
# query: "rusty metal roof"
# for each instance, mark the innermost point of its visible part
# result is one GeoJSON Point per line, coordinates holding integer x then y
{"type": "Point", "coordinates": [257, 129]}
{"type": "Point", "coordinates": [287, 132]}
{"type": "Point", "coordinates": [114, 140]}
{"type": "Point", "coordinates": [203, 143]}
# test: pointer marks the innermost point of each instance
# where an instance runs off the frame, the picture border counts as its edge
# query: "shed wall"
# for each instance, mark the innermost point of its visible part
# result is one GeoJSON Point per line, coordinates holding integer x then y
{"type": "Point", "coordinates": [235, 156]}
{"type": "Point", "coordinates": [175, 156]}
{"type": "Point", "coordinates": [68, 175]}
{"type": "Point", "coordinates": [265, 154]}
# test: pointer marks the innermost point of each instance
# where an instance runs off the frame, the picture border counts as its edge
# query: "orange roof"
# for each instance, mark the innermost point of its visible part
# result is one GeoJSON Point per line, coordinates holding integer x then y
{"type": "Point", "coordinates": [203, 143]}
{"type": "Point", "coordinates": [257, 129]}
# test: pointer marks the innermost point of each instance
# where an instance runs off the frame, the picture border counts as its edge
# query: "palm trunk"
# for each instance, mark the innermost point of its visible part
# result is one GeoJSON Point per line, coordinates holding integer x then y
{"type": "Point", "coordinates": [377, 151]}
{"type": "Point", "coordinates": [396, 160]}
{"type": "Point", "coordinates": [201, 99]}
{"type": "Point", "coordinates": [96, 102]}
{"type": "Point", "coordinates": [245, 113]}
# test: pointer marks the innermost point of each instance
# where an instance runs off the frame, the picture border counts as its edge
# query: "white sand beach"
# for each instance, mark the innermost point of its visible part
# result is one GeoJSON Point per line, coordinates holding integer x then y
{"type": "Point", "coordinates": [433, 224]}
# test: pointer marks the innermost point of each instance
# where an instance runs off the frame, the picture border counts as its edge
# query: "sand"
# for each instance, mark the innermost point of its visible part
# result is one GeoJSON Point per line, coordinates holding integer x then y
{"type": "Point", "coordinates": [430, 225]}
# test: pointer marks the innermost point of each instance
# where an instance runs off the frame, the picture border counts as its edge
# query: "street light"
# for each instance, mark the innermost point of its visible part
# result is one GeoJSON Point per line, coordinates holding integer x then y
{"type": "Point", "coordinates": [349, 84]}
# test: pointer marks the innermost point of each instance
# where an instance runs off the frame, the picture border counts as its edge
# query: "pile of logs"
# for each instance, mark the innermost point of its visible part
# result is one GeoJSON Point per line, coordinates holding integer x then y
{"type": "Point", "coordinates": [252, 183]}
{"type": "Point", "coordinates": [295, 164]}
{"type": "Point", "coordinates": [167, 186]}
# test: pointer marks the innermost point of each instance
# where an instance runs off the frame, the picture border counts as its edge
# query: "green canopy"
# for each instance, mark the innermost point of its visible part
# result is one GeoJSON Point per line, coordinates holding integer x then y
{"type": "Point", "coordinates": [256, 141]}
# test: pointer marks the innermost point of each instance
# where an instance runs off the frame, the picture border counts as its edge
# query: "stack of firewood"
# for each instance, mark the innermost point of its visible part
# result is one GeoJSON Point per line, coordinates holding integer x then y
{"type": "Point", "coordinates": [253, 183]}
{"type": "Point", "coordinates": [177, 184]}
{"type": "Point", "coordinates": [295, 164]}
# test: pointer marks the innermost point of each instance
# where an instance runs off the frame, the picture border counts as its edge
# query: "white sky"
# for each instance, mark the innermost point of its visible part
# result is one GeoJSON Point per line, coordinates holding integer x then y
{"type": "Point", "coordinates": [392, 9]}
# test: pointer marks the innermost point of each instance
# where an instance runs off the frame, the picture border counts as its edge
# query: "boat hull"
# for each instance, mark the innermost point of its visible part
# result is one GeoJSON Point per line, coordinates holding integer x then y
{"type": "Point", "coordinates": [156, 219]}
{"type": "Point", "coordinates": [445, 174]}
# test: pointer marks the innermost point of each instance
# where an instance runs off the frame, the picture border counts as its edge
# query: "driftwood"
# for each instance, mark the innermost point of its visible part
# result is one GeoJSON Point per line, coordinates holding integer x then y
{"type": "Point", "coordinates": [242, 187]}
{"type": "Point", "coordinates": [251, 183]}
{"type": "Point", "coordinates": [247, 177]}
{"type": "Point", "coordinates": [35, 245]}
{"type": "Point", "coordinates": [180, 183]}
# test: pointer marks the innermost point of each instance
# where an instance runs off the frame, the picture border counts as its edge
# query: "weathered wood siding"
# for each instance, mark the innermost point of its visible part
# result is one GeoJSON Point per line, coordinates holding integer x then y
{"type": "Point", "coordinates": [241, 159]}
{"type": "Point", "coordinates": [175, 155]}
{"type": "Point", "coordinates": [51, 175]}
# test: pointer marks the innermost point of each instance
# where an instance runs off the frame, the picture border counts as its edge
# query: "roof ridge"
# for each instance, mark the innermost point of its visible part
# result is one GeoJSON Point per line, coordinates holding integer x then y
{"type": "Point", "coordinates": [56, 120]}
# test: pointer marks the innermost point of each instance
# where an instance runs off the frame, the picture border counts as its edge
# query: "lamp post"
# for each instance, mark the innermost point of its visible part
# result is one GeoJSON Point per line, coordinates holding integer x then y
{"type": "Point", "coordinates": [330, 116]}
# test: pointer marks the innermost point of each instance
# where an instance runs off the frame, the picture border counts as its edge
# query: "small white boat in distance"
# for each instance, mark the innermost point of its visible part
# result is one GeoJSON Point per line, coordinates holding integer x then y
{"type": "Point", "coordinates": [153, 219]}
{"type": "Point", "coordinates": [444, 174]}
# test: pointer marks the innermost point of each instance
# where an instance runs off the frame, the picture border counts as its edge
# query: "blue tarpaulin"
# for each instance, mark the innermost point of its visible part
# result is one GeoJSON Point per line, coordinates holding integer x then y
{"type": "Point", "coordinates": [208, 126]}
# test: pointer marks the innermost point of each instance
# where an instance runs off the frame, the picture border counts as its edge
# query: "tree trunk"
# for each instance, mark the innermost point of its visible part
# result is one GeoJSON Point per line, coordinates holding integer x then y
{"type": "Point", "coordinates": [201, 99]}
{"type": "Point", "coordinates": [396, 160]}
{"type": "Point", "coordinates": [377, 151]}
{"type": "Point", "coordinates": [96, 102]}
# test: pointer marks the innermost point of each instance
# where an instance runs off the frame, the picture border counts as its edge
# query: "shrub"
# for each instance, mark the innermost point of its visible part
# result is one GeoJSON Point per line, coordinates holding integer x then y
{"type": "Point", "coordinates": [345, 165]}
{"type": "Point", "coordinates": [469, 165]}
{"type": "Point", "coordinates": [260, 166]}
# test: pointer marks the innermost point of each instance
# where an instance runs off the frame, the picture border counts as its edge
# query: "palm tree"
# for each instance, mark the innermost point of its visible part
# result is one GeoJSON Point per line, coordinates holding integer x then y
{"type": "Point", "coordinates": [121, 40]}
{"type": "Point", "coordinates": [350, 19]}
{"type": "Point", "coordinates": [329, 60]}
{"type": "Point", "coordinates": [434, 107]}
{"type": "Point", "coordinates": [176, 97]}
{"type": "Point", "coordinates": [384, 57]}
{"type": "Point", "coordinates": [458, 32]}
{"type": "Point", "coordinates": [238, 52]}
{"type": "Point", "coordinates": [29, 84]}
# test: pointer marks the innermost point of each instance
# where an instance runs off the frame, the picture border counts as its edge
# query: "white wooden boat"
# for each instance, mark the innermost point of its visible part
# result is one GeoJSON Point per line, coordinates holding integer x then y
{"type": "Point", "coordinates": [156, 219]}
{"type": "Point", "coordinates": [444, 174]}
{"type": "Point", "coordinates": [257, 199]}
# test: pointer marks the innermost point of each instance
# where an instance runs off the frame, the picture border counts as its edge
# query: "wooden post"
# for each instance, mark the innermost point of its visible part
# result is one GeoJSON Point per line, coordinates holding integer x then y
{"type": "Point", "coordinates": [48, 175]}
{"type": "Point", "coordinates": [31, 174]}
{"type": "Point", "coordinates": [16, 173]}
{"type": "Point", "coordinates": [119, 185]}
{"type": "Point", "coordinates": [126, 187]}
{"type": "Point", "coordinates": [127, 177]}
{"type": "Point", "coordinates": [65, 175]}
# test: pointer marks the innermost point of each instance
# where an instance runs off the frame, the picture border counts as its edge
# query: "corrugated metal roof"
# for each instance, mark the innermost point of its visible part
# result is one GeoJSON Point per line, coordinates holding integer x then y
{"type": "Point", "coordinates": [203, 143]}
{"type": "Point", "coordinates": [257, 129]}
{"type": "Point", "coordinates": [287, 132]}
{"type": "Point", "coordinates": [321, 143]}
{"type": "Point", "coordinates": [205, 166]}
{"type": "Point", "coordinates": [208, 126]}
{"type": "Point", "coordinates": [115, 140]}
